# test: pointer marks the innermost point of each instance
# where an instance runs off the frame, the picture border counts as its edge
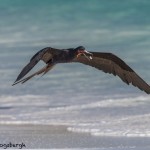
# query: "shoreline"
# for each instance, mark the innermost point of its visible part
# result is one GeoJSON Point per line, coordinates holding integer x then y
{"type": "Point", "coordinates": [58, 137]}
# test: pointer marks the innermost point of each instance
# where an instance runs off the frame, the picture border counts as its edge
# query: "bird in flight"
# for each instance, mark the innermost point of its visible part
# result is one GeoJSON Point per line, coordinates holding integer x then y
{"type": "Point", "coordinates": [107, 62]}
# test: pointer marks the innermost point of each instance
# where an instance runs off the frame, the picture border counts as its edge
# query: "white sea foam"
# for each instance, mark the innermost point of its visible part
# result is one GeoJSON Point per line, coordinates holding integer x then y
{"type": "Point", "coordinates": [108, 117]}
{"type": "Point", "coordinates": [124, 102]}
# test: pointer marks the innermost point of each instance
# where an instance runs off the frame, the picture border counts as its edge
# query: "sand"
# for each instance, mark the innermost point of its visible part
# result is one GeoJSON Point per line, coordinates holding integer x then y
{"type": "Point", "coordinates": [58, 137]}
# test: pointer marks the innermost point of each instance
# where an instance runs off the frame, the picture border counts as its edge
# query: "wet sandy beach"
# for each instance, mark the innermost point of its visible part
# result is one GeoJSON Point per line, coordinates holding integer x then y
{"type": "Point", "coordinates": [58, 137]}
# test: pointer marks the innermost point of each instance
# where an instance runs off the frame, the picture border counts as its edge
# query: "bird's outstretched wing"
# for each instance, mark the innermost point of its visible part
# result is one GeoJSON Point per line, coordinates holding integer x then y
{"type": "Point", "coordinates": [45, 54]}
{"type": "Point", "coordinates": [44, 70]}
{"type": "Point", "coordinates": [110, 63]}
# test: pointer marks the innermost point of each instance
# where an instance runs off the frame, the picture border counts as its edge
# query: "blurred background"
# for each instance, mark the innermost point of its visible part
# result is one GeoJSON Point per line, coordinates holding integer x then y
{"type": "Point", "coordinates": [119, 27]}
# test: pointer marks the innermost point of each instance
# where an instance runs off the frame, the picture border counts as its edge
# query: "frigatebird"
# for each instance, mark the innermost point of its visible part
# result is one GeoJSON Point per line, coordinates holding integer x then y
{"type": "Point", "coordinates": [107, 62]}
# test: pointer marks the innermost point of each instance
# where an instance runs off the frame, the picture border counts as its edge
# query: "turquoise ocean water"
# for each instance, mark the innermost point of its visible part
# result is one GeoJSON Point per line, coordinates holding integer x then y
{"type": "Point", "coordinates": [79, 96]}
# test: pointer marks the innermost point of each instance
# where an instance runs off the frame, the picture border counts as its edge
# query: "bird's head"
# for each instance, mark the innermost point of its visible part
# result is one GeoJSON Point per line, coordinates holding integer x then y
{"type": "Point", "coordinates": [80, 51]}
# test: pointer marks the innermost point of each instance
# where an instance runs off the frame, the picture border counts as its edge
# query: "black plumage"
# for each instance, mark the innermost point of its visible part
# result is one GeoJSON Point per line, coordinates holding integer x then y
{"type": "Point", "coordinates": [107, 62]}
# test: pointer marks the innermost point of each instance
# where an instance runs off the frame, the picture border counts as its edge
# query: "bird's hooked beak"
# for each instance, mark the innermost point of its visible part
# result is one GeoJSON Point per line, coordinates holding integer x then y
{"type": "Point", "coordinates": [85, 53]}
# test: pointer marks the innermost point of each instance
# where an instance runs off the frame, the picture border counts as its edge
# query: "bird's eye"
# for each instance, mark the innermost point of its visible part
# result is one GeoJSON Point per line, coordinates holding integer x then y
{"type": "Point", "coordinates": [80, 51]}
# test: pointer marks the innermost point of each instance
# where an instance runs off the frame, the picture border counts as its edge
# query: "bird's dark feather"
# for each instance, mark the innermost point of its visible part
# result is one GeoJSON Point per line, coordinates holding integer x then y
{"type": "Point", "coordinates": [109, 63]}
{"type": "Point", "coordinates": [26, 69]}
{"type": "Point", "coordinates": [44, 70]}
{"type": "Point", "coordinates": [45, 54]}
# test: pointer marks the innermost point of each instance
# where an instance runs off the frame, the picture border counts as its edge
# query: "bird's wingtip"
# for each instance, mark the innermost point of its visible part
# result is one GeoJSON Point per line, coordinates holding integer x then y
{"type": "Point", "coordinates": [13, 84]}
{"type": "Point", "coordinates": [16, 81]}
